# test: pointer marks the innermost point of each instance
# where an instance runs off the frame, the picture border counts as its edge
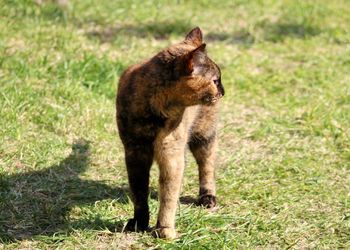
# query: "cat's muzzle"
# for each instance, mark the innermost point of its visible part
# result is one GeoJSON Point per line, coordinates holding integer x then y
{"type": "Point", "coordinates": [210, 100]}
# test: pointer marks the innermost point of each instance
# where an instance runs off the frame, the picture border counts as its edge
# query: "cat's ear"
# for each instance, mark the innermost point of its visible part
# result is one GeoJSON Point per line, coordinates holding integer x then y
{"type": "Point", "coordinates": [195, 36]}
{"type": "Point", "coordinates": [195, 60]}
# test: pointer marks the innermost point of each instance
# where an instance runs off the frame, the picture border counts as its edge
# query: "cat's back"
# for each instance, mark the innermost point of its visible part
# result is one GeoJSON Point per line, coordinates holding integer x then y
{"type": "Point", "coordinates": [133, 87]}
{"type": "Point", "coordinates": [135, 117]}
{"type": "Point", "coordinates": [128, 77]}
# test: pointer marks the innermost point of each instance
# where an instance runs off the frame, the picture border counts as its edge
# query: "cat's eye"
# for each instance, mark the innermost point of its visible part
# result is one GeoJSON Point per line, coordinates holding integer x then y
{"type": "Point", "coordinates": [216, 82]}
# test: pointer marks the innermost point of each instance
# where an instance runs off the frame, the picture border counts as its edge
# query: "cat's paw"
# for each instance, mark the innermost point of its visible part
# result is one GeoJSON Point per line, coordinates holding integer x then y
{"type": "Point", "coordinates": [207, 201]}
{"type": "Point", "coordinates": [165, 233]}
{"type": "Point", "coordinates": [134, 225]}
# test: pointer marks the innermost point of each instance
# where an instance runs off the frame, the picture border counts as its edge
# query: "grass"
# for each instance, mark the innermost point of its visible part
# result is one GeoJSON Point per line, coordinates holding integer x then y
{"type": "Point", "coordinates": [284, 160]}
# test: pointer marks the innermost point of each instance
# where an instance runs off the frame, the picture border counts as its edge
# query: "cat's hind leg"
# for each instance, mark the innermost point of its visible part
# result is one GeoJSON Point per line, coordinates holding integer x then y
{"type": "Point", "coordinates": [139, 160]}
{"type": "Point", "coordinates": [203, 148]}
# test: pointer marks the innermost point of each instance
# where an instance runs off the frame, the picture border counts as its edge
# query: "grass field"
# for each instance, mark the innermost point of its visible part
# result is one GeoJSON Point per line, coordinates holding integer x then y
{"type": "Point", "coordinates": [283, 171]}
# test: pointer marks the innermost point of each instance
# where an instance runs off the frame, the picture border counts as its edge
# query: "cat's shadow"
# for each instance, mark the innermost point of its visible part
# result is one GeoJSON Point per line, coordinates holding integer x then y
{"type": "Point", "coordinates": [38, 202]}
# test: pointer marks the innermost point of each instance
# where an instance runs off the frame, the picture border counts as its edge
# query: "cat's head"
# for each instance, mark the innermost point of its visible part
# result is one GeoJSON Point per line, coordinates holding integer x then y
{"type": "Point", "coordinates": [200, 77]}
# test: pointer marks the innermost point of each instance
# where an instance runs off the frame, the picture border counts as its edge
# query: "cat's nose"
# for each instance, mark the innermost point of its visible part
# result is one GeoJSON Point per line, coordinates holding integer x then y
{"type": "Point", "coordinates": [221, 90]}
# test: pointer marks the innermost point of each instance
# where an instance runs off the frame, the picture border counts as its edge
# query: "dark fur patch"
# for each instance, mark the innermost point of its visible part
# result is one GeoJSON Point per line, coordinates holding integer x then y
{"type": "Point", "coordinates": [198, 140]}
{"type": "Point", "coordinates": [207, 201]}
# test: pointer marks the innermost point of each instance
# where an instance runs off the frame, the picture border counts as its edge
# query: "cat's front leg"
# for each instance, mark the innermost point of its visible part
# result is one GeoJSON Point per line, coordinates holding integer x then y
{"type": "Point", "coordinates": [171, 160]}
{"type": "Point", "coordinates": [139, 159]}
{"type": "Point", "coordinates": [204, 151]}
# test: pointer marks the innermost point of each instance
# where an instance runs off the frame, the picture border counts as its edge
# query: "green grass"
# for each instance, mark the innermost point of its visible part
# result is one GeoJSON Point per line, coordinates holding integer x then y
{"type": "Point", "coordinates": [283, 171]}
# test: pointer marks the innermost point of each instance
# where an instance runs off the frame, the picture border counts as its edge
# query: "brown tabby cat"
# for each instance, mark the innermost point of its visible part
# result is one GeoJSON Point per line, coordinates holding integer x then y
{"type": "Point", "coordinates": [164, 104]}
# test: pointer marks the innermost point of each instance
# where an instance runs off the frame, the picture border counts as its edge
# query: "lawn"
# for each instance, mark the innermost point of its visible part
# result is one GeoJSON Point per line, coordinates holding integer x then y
{"type": "Point", "coordinates": [283, 171]}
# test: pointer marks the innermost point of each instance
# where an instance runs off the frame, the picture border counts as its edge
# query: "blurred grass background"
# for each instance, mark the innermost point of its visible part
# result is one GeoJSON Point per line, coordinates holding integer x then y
{"type": "Point", "coordinates": [284, 159]}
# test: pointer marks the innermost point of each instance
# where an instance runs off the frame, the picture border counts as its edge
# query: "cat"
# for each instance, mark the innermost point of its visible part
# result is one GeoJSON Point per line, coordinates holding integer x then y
{"type": "Point", "coordinates": [163, 105]}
